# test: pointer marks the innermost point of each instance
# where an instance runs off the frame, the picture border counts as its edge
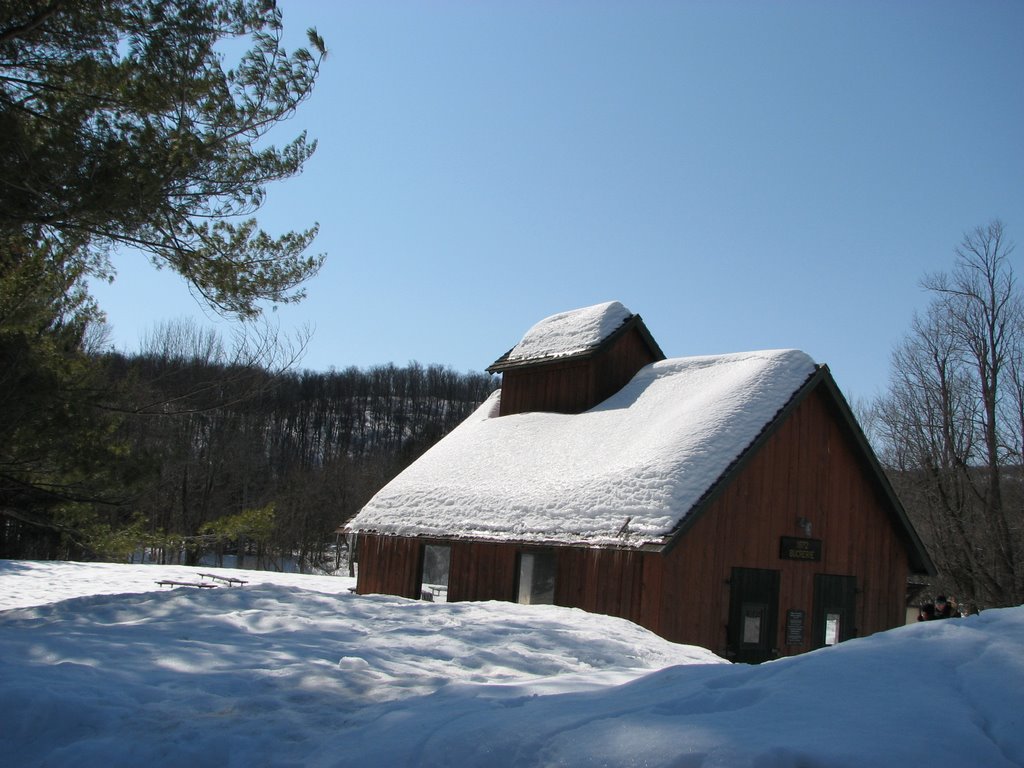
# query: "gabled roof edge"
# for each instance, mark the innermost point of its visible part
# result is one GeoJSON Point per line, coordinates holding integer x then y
{"type": "Point", "coordinates": [923, 563]}
{"type": "Point", "coordinates": [738, 464]}
{"type": "Point", "coordinates": [645, 333]}
{"type": "Point", "coordinates": [920, 561]}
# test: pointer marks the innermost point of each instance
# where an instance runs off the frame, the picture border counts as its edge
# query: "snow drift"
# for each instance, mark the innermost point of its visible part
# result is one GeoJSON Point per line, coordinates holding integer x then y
{"type": "Point", "coordinates": [296, 671]}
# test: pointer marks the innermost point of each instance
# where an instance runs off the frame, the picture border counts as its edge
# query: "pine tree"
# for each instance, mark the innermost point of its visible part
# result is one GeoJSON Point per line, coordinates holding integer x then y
{"type": "Point", "coordinates": [123, 126]}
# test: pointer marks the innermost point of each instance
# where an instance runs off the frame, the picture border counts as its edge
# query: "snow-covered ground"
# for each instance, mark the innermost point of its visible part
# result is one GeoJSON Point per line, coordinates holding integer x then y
{"type": "Point", "coordinates": [100, 666]}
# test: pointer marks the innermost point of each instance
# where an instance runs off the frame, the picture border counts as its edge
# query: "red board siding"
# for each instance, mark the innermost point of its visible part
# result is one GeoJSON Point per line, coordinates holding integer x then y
{"type": "Point", "coordinates": [482, 571]}
{"type": "Point", "coordinates": [809, 468]}
{"type": "Point", "coordinates": [575, 386]}
{"type": "Point", "coordinates": [600, 581]}
{"type": "Point", "coordinates": [389, 565]}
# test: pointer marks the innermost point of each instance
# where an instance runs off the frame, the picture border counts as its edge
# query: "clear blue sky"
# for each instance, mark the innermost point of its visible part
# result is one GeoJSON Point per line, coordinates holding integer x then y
{"type": "Point", "coordinates": [744, 175]}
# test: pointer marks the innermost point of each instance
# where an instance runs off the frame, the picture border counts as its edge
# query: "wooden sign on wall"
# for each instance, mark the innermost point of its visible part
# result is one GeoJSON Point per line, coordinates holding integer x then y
{"type": "Point", "coordinates": [792, 548]}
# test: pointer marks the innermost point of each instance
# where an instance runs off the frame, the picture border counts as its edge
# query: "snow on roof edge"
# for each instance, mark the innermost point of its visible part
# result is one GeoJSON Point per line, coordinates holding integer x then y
{"type": "Point", "coordinates": [570, 333]}
{"type": "Point", "coordinates": [545, 478]}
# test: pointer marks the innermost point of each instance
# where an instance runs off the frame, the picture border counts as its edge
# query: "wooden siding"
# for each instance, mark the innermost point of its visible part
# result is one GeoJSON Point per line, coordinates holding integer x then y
{"type": "Point", "coordinates": [389, 565]}
{"type": "Point", "coordinates": [576, 384]}
{"type": "Point", "coordinates": [482, 570]}
{"type": "Point", "coordinates": [810, 467]}
{"type": "Point", "coordinates": [555, 388]}
{"type": "Point", "coordinates": [607, 581]}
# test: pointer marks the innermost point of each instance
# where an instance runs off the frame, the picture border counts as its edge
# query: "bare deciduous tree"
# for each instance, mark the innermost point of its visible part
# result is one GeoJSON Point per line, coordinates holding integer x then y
{"type": "Point", "coordinates": [951, 422]}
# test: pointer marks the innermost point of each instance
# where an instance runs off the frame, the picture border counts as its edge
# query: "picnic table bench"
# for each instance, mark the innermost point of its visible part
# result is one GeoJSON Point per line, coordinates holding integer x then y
{"type": "Point", "coordinates": [176, 583]}
{"type": "Point", "coordinates": [231, 581]}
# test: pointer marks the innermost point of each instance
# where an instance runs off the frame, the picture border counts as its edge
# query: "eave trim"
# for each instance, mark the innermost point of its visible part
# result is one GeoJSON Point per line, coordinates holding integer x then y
{"type": "Point", "coordinates": [634, 321]}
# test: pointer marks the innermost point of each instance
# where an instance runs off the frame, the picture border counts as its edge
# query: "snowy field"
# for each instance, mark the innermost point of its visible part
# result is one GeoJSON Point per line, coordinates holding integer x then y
{"type": "Point", "coordinates": [100, 666]}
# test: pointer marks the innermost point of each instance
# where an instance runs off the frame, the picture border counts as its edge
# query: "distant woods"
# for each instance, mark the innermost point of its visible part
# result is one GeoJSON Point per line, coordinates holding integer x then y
{"type": "Point", "coordinates": [214, 453]}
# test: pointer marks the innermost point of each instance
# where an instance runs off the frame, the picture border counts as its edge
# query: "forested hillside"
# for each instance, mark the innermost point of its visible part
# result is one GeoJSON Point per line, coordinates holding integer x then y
{"type": "Point", "coordinates": [213, 456]}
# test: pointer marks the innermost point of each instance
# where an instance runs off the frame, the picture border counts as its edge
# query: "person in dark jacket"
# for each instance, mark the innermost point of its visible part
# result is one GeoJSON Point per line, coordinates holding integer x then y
{"type": "Point", "coordinates": [945, 609]}
{"type": "Point", "coordinates": [940, 609]}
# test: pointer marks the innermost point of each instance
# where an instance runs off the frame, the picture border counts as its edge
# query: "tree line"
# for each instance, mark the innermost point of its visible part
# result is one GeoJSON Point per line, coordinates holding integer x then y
{"type": "Point", "coordinates": [208, 454]}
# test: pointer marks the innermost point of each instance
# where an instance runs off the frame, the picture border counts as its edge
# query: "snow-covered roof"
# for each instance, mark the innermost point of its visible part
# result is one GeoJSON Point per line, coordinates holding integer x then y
{"type": "Point", "coordinates": [647, 455]}
{"type": "Point", "coordinates": [570, 333]}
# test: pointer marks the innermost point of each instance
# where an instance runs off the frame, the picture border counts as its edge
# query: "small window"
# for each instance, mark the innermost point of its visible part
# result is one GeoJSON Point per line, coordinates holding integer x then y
{"type": "Point", "coordinates": [753, 623]}
{"type": "Point", "coordinates": [835, 609]}
{"type": "Point", "coordinates": [536, 578]}
{"type": "Point", "coordinates": [434, 582]}
{"type": "Point", "coordinates": [832, 621]}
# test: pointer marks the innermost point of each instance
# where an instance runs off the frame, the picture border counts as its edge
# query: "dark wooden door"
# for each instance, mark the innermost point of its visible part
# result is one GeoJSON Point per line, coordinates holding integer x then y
{"type": "Point", "coordinates": [835, 609]}
{"type": "Point", "coordinates": [753, 615]}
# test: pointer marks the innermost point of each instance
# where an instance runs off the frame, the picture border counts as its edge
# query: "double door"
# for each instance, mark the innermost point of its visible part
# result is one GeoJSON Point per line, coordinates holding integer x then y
{"type": "Point", "coordinates": [753, 631]}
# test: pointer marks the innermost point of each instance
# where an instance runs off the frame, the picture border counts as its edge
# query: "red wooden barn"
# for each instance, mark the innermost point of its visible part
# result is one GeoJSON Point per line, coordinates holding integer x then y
{"type": "Point", "coordinates": [726, 501]}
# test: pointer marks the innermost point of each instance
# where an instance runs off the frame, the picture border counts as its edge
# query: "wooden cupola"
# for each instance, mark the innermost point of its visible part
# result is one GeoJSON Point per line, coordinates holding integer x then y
{"type": "Point", "coordinates": [570, 362]}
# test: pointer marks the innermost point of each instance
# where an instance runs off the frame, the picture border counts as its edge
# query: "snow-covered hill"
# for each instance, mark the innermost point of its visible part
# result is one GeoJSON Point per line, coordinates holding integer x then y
{"type": "Point", "coordinates": [101, 666]}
